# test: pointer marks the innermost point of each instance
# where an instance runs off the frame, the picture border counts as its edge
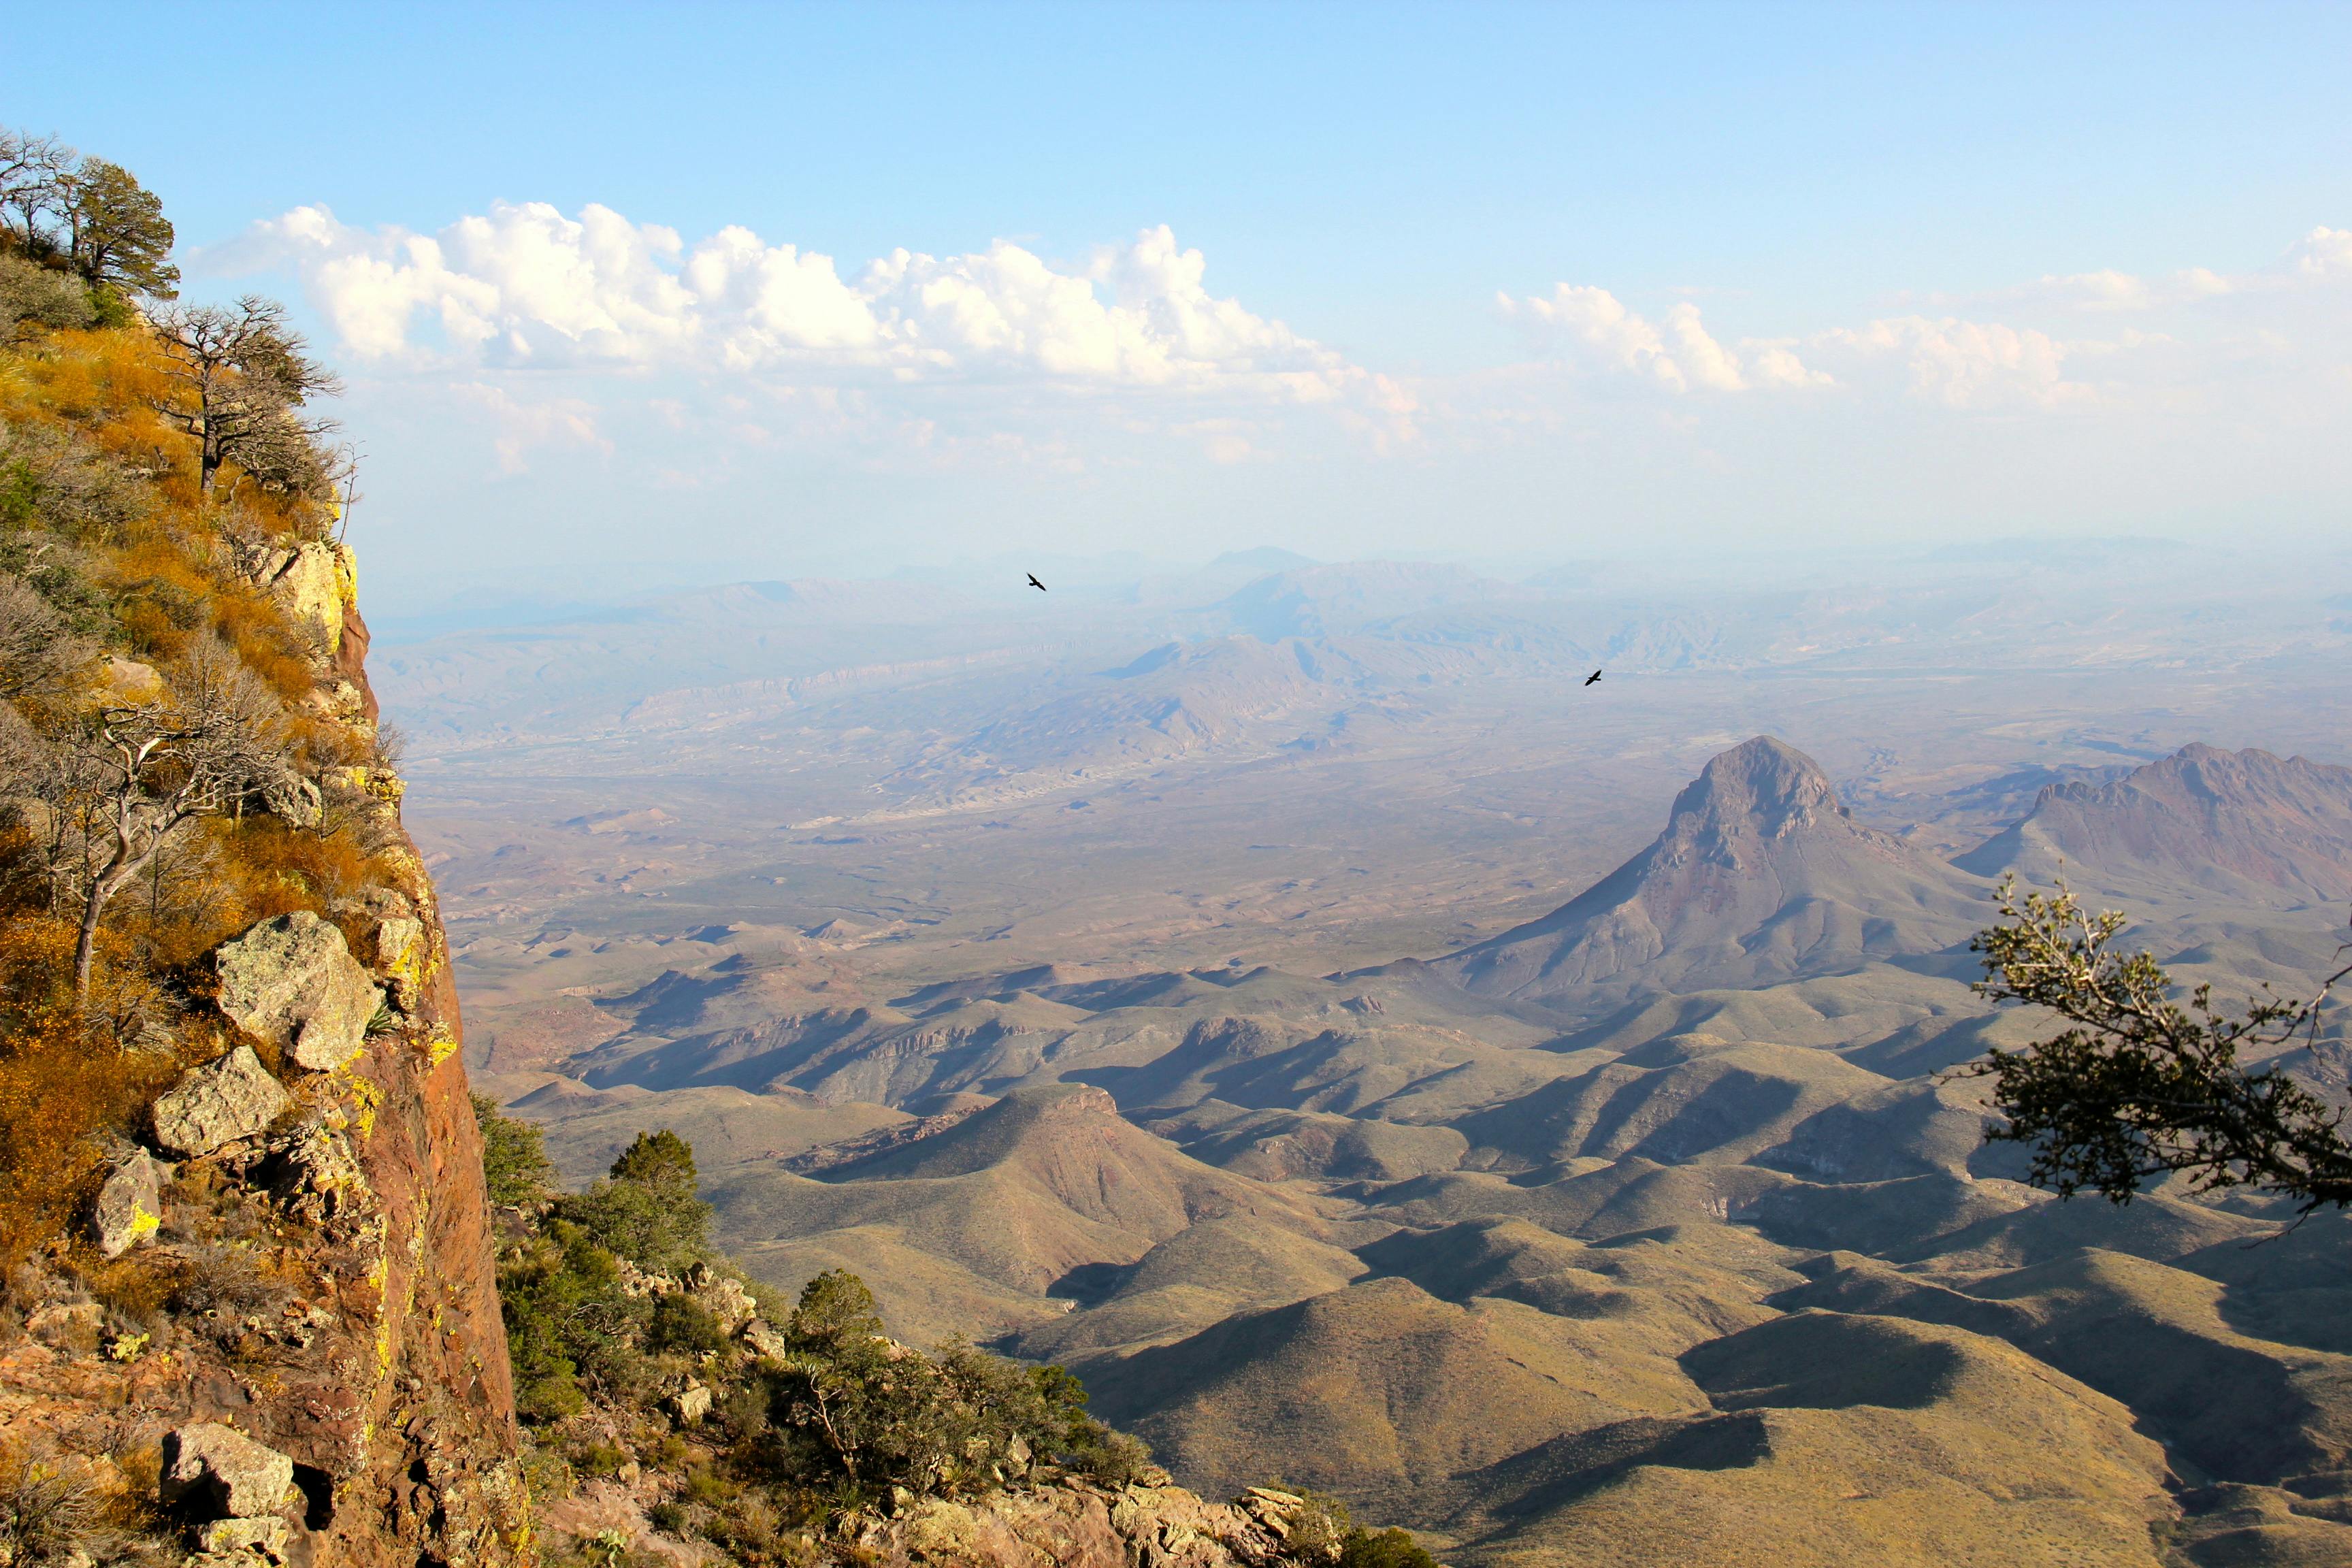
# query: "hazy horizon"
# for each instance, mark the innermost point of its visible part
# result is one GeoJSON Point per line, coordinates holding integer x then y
{"type": "Point", "coordinates": [749, 293]}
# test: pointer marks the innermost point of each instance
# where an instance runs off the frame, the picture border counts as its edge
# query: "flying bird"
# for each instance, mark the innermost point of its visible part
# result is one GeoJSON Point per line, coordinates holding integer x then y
{"type": "Point", "coordinates": [1035, 584]}
{"type": "Point", "coordinates": [1593, 677]}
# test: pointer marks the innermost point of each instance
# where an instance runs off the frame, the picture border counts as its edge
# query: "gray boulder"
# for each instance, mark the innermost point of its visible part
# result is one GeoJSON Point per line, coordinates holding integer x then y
{"type": "Point", "coordinates": [217, 1104]}
{"type": "Point", "coordinates": [690, 1404]}
{"type": "Point", "coordinates": [294, 981]}
{"type": "Point", "coordinates": [763, 1340]}
{"type": "Point", "coordinates": [401, 956]}
{"type": "Point", "coordinates": [243, 1538]}
{"type": "Point", "coordinates": [223, 1473]}
{"type": "Point", "coordinates": [130, 1207]}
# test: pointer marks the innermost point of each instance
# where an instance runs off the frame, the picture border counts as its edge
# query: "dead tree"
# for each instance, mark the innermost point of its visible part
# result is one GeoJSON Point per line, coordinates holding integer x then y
{"type": "Point", "coordinates": [35, 185]}
{"type": "Point", "coordinates": [238, 377]}
{"type": "Point", "coordinates": [134, 775]}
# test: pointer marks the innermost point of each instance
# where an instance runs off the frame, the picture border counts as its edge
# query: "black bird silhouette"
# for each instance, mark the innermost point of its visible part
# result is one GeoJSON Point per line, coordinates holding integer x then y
{"type": "Point", "coordinates": [1035, 584]}
{"type": "Point", "coordinates": [1593, 677]}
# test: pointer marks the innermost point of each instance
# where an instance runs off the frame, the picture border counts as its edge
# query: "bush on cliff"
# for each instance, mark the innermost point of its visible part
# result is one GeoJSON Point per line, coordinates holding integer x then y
{"type": "Point", "coordinates": [646, 1211]}
{"type": "Point", "coordinates": [632, 1342]}
{"type": "Point", "coordinates": [852, 1411]}
{"type": "Point", "coordinates": [516, 1171]}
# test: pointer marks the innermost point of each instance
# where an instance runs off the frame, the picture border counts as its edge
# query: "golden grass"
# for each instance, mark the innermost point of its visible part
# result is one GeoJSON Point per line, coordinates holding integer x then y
{"type": "Point", "coordinates": [168, 583]}
{"type": "Point", "coordinates": [63, 1084]}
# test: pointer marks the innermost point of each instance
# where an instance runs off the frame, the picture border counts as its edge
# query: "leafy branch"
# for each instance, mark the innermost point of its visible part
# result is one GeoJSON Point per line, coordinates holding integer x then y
{"type": "Point", "coordinates": [2141, 1086]}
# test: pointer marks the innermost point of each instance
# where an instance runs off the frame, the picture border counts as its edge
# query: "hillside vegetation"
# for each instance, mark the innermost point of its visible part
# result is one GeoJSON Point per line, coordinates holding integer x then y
{"type": "Point", "coordinates": [245, 1295]}
{"type": "Point", "coordinates": [182, 755]}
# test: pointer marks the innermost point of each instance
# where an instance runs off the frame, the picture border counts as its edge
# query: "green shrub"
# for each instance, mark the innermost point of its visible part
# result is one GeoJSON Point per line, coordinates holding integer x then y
{"type": "Point", "coordinates": [1360, 1548]}
{"type": "Point", "coordinates": [680, 1325]}
{"type": "Point", "coordinates": [514, 1166]}
{"type": "Point", "coordinates": [859, 1413]}
{"type": "Point", "coordinates": [647, 1210]}
{"type": "Point", "coordinates": [568, 1324]}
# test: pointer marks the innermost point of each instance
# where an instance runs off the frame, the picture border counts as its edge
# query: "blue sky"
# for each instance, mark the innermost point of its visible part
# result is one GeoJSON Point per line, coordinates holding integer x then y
{"type": "Point", "coordinates": [1476, 225]}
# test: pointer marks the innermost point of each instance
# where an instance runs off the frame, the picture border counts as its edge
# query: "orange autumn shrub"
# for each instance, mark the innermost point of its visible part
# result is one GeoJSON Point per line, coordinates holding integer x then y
{"type": "Point", "coordinates": [102, 514]}
{"type": "Point", "coordinates": [64, 1085]}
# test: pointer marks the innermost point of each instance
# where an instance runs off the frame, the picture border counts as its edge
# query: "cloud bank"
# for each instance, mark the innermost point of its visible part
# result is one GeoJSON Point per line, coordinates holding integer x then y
{"type": "Point", "coordinates": [591, 372]}
{"type": "Point", "coordinates": [1680, 357]}
{"type": "Point", "coordinates": [526, 286]}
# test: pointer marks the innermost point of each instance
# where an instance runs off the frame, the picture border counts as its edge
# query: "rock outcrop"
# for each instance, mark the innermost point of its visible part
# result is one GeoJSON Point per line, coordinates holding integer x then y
{"type": "Point", "coordinates": [293, 981]}
{"type": "Point", "coordinates": [1073, 1524]}
{"type": "Point", "coordinates": [224, 1101]}
{"type": "Point", "coordinates": [335, 1391]}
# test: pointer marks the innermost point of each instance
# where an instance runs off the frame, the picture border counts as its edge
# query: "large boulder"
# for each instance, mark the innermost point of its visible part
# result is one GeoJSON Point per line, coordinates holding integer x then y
{"type": "Point", "coordinates": [221, 1473]}
{"type": "Point", "coordinates": [292, 979]}
{"type": "Point", "coordinates": [217, 1104]}
{"type": "Point", "coordinates": [690, 1403]}
{"type": "Point", "coordinates": [401, 953]}
{"type": "Point", "coordinates": [764, 1341]}
{"type": "Point", "coordinates": [130, 1207]}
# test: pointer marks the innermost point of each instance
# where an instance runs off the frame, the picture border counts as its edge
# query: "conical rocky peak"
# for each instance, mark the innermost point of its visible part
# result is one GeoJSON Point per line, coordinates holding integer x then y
{"type": "Point", "coordinates": [1760, 875]}
{"type": "Point", "coordinates": [1760, 789]}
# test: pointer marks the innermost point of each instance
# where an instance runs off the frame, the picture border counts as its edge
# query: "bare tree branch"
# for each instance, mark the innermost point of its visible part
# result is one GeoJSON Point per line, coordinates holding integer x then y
{"type": "Point", "coordinates": [129, 776]}
{"type": "Point", "coordinates": [238, 375]}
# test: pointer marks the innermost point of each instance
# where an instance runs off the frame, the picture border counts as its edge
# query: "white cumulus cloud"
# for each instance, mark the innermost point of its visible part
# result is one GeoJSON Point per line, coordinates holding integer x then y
{"type": "Point", "coordinates": [1678, 356]}
{"type": "Point", "coordinates": [2322, 253]}
{"type": "Point", "coordinates": [525, 285]}
{"type": "Point", "coordinates": [1971, 364]}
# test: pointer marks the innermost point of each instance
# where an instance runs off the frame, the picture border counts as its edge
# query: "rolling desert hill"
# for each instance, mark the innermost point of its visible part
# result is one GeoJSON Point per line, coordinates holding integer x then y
{"type": "Point", "coordinates": [1860, 1440]}
{"type": "Point", "coordinates": [1647, 1229]}
{"type": "Point", "coordinates": [1042, 1183]}
{"type": "Point", "coordinates": [1381, 1389]}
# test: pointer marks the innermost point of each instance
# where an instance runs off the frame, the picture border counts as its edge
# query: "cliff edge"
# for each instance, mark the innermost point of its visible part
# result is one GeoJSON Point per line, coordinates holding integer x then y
{"type": "Point", "coordinates": [249, 1308]}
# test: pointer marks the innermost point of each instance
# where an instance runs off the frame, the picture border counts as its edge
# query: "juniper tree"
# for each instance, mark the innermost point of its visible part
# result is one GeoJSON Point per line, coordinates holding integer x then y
{"type": "Point", "coordinates": [116, 234]}
{"type": "Point", "coordinates": [2141, 1086]}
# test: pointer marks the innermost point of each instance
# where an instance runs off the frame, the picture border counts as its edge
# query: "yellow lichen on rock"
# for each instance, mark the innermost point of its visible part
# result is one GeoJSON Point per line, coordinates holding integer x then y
{"type": "Point", "coordinates": [316, 582]}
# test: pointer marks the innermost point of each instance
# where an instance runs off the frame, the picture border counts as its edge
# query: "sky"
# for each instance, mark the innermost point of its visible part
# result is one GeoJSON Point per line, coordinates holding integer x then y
{"type": "Point", "coordinates": [631, 295]}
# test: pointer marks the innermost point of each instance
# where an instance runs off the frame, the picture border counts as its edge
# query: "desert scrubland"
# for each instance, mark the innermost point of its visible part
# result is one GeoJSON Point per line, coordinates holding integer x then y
{"type": "Point", "coordinates": [1288, 996]}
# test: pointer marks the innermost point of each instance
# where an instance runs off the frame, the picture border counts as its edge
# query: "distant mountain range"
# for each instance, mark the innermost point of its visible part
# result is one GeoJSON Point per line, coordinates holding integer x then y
{"type": "Point", "coordinates": [2242, 825]}
{"type": "Point", "coordinates": [967, 648]}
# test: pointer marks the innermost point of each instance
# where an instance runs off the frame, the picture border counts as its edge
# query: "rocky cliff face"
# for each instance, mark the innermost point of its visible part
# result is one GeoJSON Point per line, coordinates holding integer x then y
{"type": "Point", "coordinates": [294, 1354]}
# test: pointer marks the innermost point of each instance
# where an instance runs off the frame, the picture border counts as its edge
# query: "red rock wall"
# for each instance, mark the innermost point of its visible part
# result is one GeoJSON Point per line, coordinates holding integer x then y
{"type": "Point", "coordinates": [439, 1478]}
